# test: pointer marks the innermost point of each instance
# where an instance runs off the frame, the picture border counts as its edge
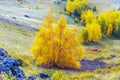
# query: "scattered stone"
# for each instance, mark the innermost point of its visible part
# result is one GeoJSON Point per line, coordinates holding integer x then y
{"type": "Point", "coordinates": [44, 75]}
{"type": "Point", "coordinates": [95, 50]}
{"type": "Point", "coordinates": [31, 78]}
{"type": "Point", "coordinates": [3, 52]}
{"type": "Point", "coordinates": [20, 61]}
{"type": "Point", "coordinates": [112, 56]}
{"type": "Point", "coordinates": [26, 16]}
{"type": "Point", "coordinates": [14, 17]}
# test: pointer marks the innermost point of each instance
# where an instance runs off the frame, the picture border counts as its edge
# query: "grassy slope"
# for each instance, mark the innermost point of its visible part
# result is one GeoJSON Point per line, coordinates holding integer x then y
{"type": "Point", "coordinates": [14, 39]}
{"type": "Point", "coordinates": [18, 43]}
{"type": "Point", "coordinates": [106, 47]}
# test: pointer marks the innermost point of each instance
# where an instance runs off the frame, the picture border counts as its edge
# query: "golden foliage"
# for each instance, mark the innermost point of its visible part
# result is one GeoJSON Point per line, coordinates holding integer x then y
{"type": "Point", "coordinates": [91, 33]}
{"type": "Point", "coordinates": [48, 20]}
{"type": "Point", "coordinates": [108, 21]}
{"type": "Point", "coordinates": [88, 16]}
{"type": "Point", "coordinates": [70, 7]}
{"type": "Point", "coordinates": [57, 45]}
{"type": "Point", "coordinates": [84, 35]}
{"type": "Point", "coordinates": [76, 5]}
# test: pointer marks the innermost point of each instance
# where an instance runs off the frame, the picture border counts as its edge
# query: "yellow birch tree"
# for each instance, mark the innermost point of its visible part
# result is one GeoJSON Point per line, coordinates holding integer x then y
{"type": "Point", "coordinates": [91, 33]}
{"type": "Point", "coordinates": [57, 46]}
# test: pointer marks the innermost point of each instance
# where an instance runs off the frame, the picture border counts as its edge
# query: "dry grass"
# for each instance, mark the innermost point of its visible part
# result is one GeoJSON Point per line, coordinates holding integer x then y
{"type": "Point", "coordinates": [15, 40]}
{"type": "Point", "coordinates": [18, 43]}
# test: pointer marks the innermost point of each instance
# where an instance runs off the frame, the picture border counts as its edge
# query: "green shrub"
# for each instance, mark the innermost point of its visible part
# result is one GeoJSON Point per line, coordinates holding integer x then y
{"type": "Point", "coordinates": [60, 75]}
{"type": "Point", "coordinates": [37, 6]}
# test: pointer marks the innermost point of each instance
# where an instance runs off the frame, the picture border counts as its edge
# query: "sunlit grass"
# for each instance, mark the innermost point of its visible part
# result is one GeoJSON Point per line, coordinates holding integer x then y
{"type": "Point", "coordinates": [15, 40]}
{"type": "Point", "coordinates": [18, 44]}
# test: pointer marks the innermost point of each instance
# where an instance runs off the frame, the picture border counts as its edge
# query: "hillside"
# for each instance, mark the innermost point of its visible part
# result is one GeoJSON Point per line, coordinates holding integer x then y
{"type": "Point", "coordinates": [19, 25]}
